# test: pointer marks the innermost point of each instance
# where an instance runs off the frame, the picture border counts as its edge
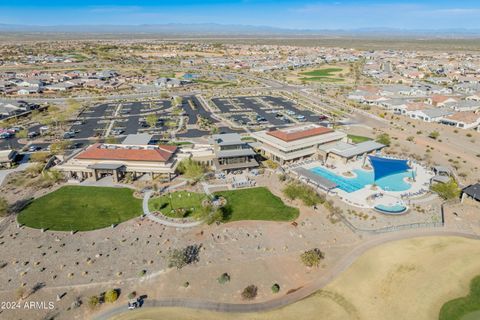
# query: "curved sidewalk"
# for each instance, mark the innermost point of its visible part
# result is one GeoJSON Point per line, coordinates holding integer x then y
{"type": "Point", "coordinates": [167, 223]}
{"type": "Point", "coordinates": [300, 294]}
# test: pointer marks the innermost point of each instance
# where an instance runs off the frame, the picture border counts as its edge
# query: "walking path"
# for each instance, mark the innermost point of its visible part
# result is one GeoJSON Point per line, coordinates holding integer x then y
{"type": "Point", "coordinates": [164, 221]}
{"type": "Point", "coordinates": [6, 172]}
{"type": "Point", "coordinates": [300, 294]}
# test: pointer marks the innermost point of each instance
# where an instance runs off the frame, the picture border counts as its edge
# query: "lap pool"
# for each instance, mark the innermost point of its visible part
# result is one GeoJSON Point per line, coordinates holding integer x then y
{"type": "Point", "coordinates": [393, 182]}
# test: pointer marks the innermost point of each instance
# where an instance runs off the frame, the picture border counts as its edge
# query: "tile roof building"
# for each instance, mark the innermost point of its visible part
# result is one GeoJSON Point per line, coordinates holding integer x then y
{"type": "Point", "coordinates": [99, 160]}
{"type": "Point", "coordinates": [294, 143]}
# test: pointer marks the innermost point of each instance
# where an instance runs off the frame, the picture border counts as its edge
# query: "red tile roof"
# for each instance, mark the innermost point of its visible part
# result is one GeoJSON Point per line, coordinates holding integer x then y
{"type": "Point", "coordinates": [297, 135]}
{"type": "Point", "coordinates": [162, 154]}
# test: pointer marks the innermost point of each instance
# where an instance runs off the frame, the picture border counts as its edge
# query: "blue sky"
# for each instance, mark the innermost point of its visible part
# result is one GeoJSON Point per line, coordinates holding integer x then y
{"type": "Point", "coordinates": [427, 14]}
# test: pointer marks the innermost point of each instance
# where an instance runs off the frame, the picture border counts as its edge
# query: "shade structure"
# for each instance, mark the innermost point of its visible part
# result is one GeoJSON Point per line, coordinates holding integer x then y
{"type": "Point", "coordinates": [383, 167]}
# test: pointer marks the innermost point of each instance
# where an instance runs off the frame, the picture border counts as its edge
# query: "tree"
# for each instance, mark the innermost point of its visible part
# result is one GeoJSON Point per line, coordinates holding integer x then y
{"type": "Point", "coordinates": [384, 138]}
{"type": "Point", "coordinates": [447, 191]}
{"type": "Point", "coordinates": [111, 140]}
{"type": "Point", "coordinates": [3, 207]}
{"type": "Point", "coordinates": [111, 295]}
{"type": "Point", "coordinates": [22, 134]}
{"type": "Point", "coordinates": [250, 292]}
{"type": "Point", "coordinates": [151, 120]}
{"type": "Point", "coordinates": [177, 101]}
{"type": "Point", "coordinates": [434, 135]}
{"type": "Point", "coordinates": [59, 147]}
{"type": "Point", "coordinates": [312, 258]}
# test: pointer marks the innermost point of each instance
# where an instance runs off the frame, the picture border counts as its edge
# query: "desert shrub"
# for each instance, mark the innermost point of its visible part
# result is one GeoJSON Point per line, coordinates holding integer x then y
{"type": "Point", "coordinates": [384, 138]}
{"type": "Point", "coordinates": [308, 195]}
{"type": "Point", "coordinates": [312, 258]}
{"type": "Point", "coordinates": [275, 288]}
{"type": "Point", "coordinates": [39, 157]}
{"type": "Point", "coordinates": [250, 292]}
{"type": "Point", "coordinates": [111, 295]}
{"type": "Point", "coordinates": [191, 169]}
{"type": "Point", "coordinates": [179, 258]}
{"type": "Point", "coordinates": [93, 301]}
{"type": "Point", "coordinates": [224, 278]}
{"type": "Point", "coordinates": [3, 207]}
{"type": "Point", "coordinates": [434, 135]}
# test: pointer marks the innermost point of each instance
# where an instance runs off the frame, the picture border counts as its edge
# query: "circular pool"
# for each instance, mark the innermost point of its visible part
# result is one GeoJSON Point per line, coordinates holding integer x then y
{"type": "Point", "coordinates": [396, 208]}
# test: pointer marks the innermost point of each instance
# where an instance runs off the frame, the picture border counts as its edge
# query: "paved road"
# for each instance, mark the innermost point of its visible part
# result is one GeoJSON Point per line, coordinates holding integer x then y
{"type": "Point", "coordinates": [300, 294]}
{"type": "Point", "coordinates": [4, 173]}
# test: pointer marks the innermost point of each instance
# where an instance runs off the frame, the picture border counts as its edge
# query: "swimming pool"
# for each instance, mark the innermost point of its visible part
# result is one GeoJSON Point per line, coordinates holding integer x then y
{"type": "Point", "coordinates": [391, 209]}
{"type": "Point", "coordinates": [393, 182]}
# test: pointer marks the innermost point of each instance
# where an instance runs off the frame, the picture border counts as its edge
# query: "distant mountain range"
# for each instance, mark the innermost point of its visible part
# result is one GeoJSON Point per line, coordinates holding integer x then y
{"type": "Point", "coordinates": [213, 29]}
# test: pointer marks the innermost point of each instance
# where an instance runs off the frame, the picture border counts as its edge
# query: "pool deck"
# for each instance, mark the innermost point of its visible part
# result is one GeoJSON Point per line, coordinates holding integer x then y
{"type": "Point", "coordinates": [359, 198]}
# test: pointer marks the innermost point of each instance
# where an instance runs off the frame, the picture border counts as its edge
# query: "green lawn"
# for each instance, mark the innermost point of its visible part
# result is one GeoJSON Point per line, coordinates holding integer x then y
{"type": "Point", "coordinates": [256, 204]}
{"type": "Point", "coordinates": [463, 308]}
{"type": "Point", "coordinates": [358, 139]}
{"type": "Point", "coordinates": [81, 209]}
{"type": "Point", "coordinates": [326, 72]}
{"type": "Point", "coordinates": [323, 75]}
{"type": "Point", "coordinates": [190, 201]}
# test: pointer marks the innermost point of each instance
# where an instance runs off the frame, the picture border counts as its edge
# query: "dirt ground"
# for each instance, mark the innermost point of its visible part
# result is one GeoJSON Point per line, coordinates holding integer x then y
{"type": "Point", "coordinates": [394, 281]}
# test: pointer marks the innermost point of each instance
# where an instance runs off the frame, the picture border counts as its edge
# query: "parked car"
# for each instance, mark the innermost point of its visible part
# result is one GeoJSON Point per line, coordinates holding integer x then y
{"type": "Point", "coordinates": [68, 135]}
{"type": "Point", "coordinates": [32, 134]}
{"type": "Point", "coordinates": [133, 304]}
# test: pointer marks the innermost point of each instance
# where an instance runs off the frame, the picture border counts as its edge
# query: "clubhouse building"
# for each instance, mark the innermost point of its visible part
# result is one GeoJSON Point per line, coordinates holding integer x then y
{"type": "Point", "coordinates": [231, 153]}
{"type": "Point", "coordinates": [116, 160]}
{"type": "Point", "coordinates": [296, 143]}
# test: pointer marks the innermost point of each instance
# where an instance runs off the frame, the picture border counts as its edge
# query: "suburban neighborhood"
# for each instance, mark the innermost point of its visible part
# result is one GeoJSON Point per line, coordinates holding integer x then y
{"type": "Point", "coordinates": [260, 174]}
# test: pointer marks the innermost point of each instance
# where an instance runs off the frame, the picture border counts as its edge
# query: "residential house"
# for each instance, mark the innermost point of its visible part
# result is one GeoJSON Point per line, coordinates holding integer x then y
{"type": "Point", "coordinates": [463, 120]}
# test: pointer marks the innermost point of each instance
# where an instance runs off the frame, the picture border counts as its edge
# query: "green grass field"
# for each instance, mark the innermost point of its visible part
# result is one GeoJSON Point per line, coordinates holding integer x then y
{"type": "Point", "coordinates": [322, 75]}
{"type": "Point", "coordinates": [81, 209]}
{"type": "Point", "coordinates": [358, 139]}
{"type": "Point", "coordinates": [190, 201]}
{"type": "Point", "coordinates": [256, 204]}
{"type": "Point", "coordinates": [465, 308]}
{"type": "Point", "coordinates": [327, 72]}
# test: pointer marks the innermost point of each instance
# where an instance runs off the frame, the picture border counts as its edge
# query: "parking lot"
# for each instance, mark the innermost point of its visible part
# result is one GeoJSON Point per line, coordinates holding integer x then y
{"type": "Point", "coordinates": [120, 119]}
{"type": "Point", "coordinates": [263, 111]}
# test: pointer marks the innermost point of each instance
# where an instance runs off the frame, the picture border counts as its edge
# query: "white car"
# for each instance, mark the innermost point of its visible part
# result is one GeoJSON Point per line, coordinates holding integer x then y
{"type": "Point", "coordinates": [133, 304]}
